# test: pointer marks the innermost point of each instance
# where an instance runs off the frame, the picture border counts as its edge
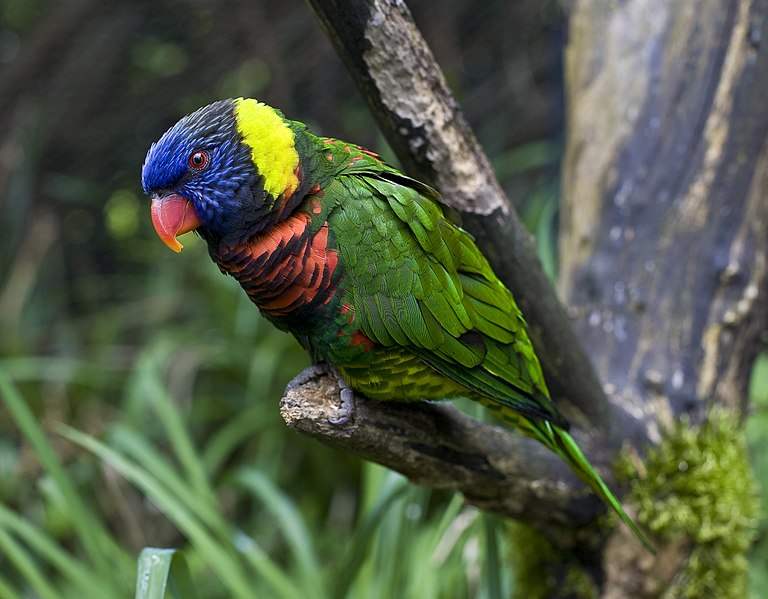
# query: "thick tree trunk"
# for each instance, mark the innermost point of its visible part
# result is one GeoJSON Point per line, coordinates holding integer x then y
{"type": "Point", "coordinates": [665, 188]}
{"type": "Point", "coordinates": [664, 239]}
{"type": "Point", "coordinates": [664, 226]}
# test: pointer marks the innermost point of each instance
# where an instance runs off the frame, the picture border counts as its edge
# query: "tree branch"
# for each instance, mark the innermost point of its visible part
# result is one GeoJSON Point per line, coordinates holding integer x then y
{"type": "Point", "coordinates": [436, 446]}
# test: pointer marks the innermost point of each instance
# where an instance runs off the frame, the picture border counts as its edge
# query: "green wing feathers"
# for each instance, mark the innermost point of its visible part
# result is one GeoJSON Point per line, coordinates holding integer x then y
{"type": "Point", "coordinates": [423, 290]}
{"type": "Point", "coordinates": [419, 281]}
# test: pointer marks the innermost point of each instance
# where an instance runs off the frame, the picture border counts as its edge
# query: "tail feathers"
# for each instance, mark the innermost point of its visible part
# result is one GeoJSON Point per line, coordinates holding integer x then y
{"type": "Point", "coordinates": [563, 445]}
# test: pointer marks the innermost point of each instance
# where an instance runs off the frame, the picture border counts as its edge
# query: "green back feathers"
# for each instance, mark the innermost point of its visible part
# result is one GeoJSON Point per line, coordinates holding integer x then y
{"type": "Point", "coordinates": [419, 281]}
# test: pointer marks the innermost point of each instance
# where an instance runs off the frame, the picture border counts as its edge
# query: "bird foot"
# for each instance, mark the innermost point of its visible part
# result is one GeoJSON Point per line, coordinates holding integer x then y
{"type": "Point", "coordinates": [346, 394]}
{"type": "Point", "coordinates": [347, 403]}
{"type": "Point", "coordinates": [306, 375]}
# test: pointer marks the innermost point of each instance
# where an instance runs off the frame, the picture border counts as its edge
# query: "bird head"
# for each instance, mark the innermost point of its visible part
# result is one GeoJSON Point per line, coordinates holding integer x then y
{"type": "Point", "coordinates": [222, 170]}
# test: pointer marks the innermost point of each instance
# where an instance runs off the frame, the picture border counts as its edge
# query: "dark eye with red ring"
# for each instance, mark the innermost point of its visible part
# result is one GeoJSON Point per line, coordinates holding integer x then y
{"type": "Point", "coordinates": [198, 160]}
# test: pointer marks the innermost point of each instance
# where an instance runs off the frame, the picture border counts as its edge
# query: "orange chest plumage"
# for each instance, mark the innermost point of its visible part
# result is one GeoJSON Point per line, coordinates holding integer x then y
{"type": "Point", "coordinates": [286, 268]}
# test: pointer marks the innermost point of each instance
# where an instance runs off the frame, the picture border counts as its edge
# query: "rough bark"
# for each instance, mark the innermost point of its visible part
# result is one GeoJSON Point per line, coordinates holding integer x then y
{"type": "Point", "coordinates": [436, 445]}
{"type": "Point", "coordinates": [663, 237]}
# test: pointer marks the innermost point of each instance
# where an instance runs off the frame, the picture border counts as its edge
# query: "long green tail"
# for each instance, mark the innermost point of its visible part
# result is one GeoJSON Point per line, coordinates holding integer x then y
{"type": "Point", "coordinates": [563, 445]}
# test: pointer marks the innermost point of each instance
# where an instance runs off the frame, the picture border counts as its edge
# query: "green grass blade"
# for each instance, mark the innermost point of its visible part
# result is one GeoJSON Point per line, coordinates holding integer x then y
{"type": "Point", "coordinates": [181, 583]}
{"type": "Point", "coordinates": [546, 238]}
{"type": "Point", "coordinates": [357, 553]}
{"type": "Point", "coordinates": [150, 383]}
{"type": "Point", "coordinates": [493, 568]}
{"type": "Point", "coordinates": [98, 545]}
{"type": "Point", "coordinates": [7, 591]}
{"type": "Point", "coordinates": [229, 436]}
{"type": "Point", "coordinates": [291, 525]}
{"type": "Point", "coordinates": [79, 574]}
{"type": "Point", "coordinates": [445, 535]}
{"type": "Point", "coordinates": [281, 585]}
{"type": "Point", "coordinates": [137, 447]}
{"type": "Point", "coordinates": [152, 573]}
{"type": "Point", "coordinates": [162, 568]}
{"type": "Point", "coordinates": [147, 456]}
{"type": "Point", "coordinates": [219, 556]}
{"type": "Point", "coordinates": [57, 369]}
{"type": "Point", "coordinates": [29, 570]}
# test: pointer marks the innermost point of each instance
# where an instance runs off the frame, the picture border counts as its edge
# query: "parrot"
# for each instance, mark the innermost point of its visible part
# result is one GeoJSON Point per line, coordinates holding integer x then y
{"type": "Point", "coordinates": [367, 267]}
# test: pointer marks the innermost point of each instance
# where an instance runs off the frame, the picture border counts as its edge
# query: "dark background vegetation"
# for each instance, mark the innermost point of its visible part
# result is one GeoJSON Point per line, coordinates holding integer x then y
{"type": "Point", "coordinates": [92, 305]}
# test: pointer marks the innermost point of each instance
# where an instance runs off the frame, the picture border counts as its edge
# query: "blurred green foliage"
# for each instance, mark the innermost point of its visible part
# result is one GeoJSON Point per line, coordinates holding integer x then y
{"type": "Point", "coordinates": [140, 388]}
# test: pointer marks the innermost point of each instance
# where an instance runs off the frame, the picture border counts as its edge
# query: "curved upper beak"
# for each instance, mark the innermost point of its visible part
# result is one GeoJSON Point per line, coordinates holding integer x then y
{"type": "Point", "coordinates": [173, 215]}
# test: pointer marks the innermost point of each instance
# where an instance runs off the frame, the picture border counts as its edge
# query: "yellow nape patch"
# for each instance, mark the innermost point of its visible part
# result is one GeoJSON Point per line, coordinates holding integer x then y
{"type": "Point", "coordinates": [272, 145]}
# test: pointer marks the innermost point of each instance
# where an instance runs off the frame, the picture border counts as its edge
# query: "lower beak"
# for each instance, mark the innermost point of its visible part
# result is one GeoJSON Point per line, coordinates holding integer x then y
{"type": "Point", "coordinates": [173, 215]}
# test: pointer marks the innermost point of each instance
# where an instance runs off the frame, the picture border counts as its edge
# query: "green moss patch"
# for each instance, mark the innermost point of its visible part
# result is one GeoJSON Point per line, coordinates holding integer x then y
{"type": "Point", "coordinates": [698, 485]}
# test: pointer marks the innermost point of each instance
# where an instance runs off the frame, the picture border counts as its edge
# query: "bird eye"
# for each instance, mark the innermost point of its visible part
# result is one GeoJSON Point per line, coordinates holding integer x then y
{"type": "Point", "coordinates": [198, 160]}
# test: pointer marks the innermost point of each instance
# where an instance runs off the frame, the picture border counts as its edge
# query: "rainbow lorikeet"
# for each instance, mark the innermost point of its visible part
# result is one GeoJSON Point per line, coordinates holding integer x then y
{"type": "Point", "coordinates": [364, 265]}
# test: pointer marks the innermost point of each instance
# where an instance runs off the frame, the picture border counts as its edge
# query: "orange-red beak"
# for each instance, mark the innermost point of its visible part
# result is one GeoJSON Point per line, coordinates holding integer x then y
{"type": "Point", "coordinates": [172, 216]}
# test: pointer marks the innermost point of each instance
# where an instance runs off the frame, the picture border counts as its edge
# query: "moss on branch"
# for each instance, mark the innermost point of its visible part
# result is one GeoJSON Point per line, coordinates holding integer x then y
{"type": "Point", "coordinates": [697, 488]}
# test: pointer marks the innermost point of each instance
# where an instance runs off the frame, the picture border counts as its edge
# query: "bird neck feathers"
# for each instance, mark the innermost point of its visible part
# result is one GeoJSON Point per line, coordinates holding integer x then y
{"type": "Point", "coordinates": [272, 144]}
